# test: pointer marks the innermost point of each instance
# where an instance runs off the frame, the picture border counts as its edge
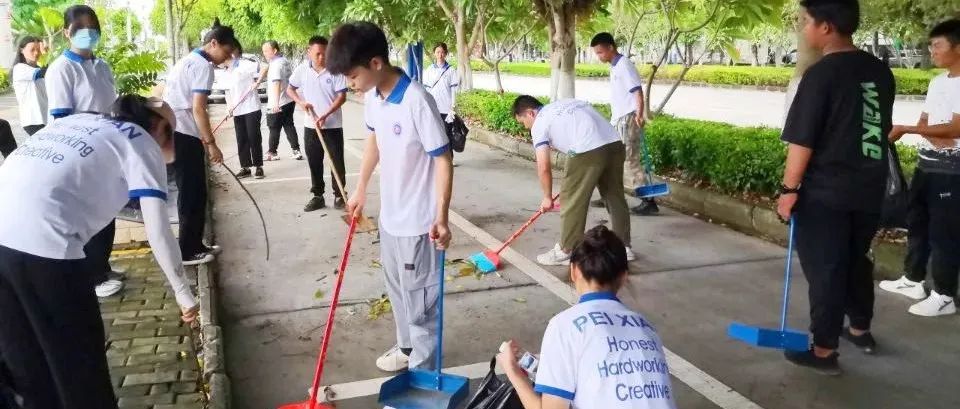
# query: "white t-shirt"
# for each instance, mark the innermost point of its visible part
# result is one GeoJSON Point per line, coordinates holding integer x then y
{"type": "Point", "coordinates": [625, 81]}
{"type": "Point", "coordinates": [70, 179]}
{"type": "Point", "coordinates": [319, 89]}
{"type": "Point", "coordinates": [942, 102]}
{"type": "Point", "coordinates": [76, 84]}
{"type": "Point", "coordinates": [409, 134]}
{"type": "Point", "coordinates": [31, 94]}
{"type": "Point", "coordinates": [441, 81]}
{"type": "Point", "coordinates": [278, 71]}
{"type": "Point", "coordinates": [243, 74]}
{"type": "Point", "coordinates": [193, 74]}
{"type": "Point", "coordinates": [599, 354]}
{"type": "Point", "coordinates": [571, 126]}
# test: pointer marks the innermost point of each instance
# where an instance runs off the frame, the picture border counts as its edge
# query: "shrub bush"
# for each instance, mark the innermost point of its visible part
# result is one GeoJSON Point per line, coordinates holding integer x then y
{"type": "Point", "coordinates": [4, 80]}
{"type": "Point", "coordinates": [909, 81]}
{"type": "Point", "coordinates": [732, 159]}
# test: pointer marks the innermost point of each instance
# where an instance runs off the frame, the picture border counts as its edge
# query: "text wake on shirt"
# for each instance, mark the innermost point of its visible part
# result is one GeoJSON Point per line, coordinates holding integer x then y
{"type": "Point", "coordinates": [942, 103]}
{"type": "Point", "coordinates": [600, 354]}
{"type": "Point", "coordinates": [320, 89]}
{"type": "Point", "coordinates": [193, 74]}
{"type": "Point", "coordinates": [571, 126]}
{"type": "Point", "coordinates": [409, 135]}
{"type": "Point", "coordinates": [843, 111]}
{"type": "Point", "coordinates": [70, 179]}
{"type": "Point", "coordinates": [79, 84]}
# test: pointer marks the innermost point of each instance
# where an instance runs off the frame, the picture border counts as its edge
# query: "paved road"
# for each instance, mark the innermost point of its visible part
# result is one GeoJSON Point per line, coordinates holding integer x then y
{"type": "Point", "coordinates": [691, 279]}
{"type": "Point", "coordinates": [738, 107]}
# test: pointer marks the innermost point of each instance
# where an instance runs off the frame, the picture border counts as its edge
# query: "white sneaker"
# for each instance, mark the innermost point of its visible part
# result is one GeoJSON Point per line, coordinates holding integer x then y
{"type": "Point", "coordinates": [630, 255]}
{"type": "Point", "coordinates": [271, 157]}
{"type": "Point", "coordinates": [935, 305]}
{"type": "Point", "coordinates": [214, 249]}
{"type": "Point", "coordinates": [554, 257]}
{"type": "Point", "coordinates": [108, 288]}
{"type": "Point", "coordinates": [393, 360]}
{"type": "Point", "coordinates": [297, 155]}
{"type": "Point", "coordinates": [197, 259]}
{"type": "Point", "coordinates": [904, 286]}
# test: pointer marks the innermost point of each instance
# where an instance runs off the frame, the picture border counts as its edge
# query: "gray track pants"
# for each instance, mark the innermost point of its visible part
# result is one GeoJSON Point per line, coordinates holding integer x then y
{"type": "Point", "coordinates": [411, 271]}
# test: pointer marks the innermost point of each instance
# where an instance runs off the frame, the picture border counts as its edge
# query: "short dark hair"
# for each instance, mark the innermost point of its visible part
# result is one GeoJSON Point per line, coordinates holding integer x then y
{"type": "Point", "coordinates": [237, 48]}
{"type": "Point", "coordinates": [843, 15]}
{"type": "Point", "coordinates": [355, 44]}
{"type": "Point", "coordinates": [949, 29]}
{"type": "Point", "coordinates": [525, 102]}
{"type": "Point", "coordinates": [223, 34]}
{"type": "Point", "coordinates": [73, 13]}
{"type": "Point", "coordinates": [273, 44]}
{"type": "Point", "coordinates": [603, 38]}
{"type": "Point", "coordinates": [601, 256]}
{"type": "Point", "coordinates": [442, 45]}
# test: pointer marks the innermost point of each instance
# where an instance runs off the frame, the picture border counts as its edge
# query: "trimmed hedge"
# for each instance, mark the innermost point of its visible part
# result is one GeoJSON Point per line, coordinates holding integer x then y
{"type": "Point", "coordinates": [730, 158]}
{"type": "Point", "coordinates": [909, 81]}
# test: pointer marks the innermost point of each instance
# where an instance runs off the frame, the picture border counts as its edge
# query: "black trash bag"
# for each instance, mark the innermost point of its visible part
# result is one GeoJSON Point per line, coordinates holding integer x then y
{"type": "Point", "coordinates": [494, 393]}
{"type": "Point", "coordinates": [896, 198]}
{"type": "Point", "coordinates": [7, 143]}
{"type": "Point", "coordinates": [458, 134]}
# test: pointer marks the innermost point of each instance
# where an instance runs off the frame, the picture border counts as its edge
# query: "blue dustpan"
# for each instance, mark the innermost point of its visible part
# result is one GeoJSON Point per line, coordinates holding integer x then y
{"type": "Point", "coordinates": [783, 338]}
{"type": "Point", "coordinates": [420, 389]}
{"type": "Point", "coordinates": [650, 190]}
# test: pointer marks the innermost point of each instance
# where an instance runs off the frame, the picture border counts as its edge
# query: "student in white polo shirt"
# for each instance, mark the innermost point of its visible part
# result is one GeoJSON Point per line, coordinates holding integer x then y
{"type": "Point", "coordinates": [321, 95]}
{"type": "Point", "coordinates": [64, 184]}
{"type": "Point", "coordinates": [188, 87]}
{"type": "Point", "coordinates": [407, 139]}
{"type": "Point", "coordinates": [595, 162]}
{"type": "Point", "coordinates": [246, 113]}
{"type": "Point", "coordinates": [27, 79]}
{"type": "Point", "coordinates": [441, 80]}
{"type": "Point", "coordinates": [598, 353]}
{"type": "Point", "coordinates": [627, 113]}
{"type": "Point", "coordinates": [279, 105]}
{"type": "Point", "coordinates": [77, 81]}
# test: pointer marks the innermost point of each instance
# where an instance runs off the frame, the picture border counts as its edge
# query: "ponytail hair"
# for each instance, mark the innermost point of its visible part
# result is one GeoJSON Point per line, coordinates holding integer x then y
{"type": "Point", "coordinates": [223, 34]}
{"type": "Point", "coordinates": [137, 110]}
{"type": "Point", "coordinates": [601, 256]}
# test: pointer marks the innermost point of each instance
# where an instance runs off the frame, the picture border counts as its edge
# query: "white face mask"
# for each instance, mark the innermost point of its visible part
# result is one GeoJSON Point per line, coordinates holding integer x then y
{"type": "Point", "coordinates": [85, 39]}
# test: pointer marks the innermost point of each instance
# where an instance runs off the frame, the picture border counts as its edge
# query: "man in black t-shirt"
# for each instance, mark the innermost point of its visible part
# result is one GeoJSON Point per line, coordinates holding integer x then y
{"type": "Point", "coordinates": [835, 175]}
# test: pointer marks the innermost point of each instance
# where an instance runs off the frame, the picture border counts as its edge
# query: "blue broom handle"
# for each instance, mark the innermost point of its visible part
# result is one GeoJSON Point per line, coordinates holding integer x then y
{"type": "Point", "coordinates": [443, 260]}
{"type": "Point", "coordinates": [786, 278]}
{"type": "Point", "coordinates": [646, 156]}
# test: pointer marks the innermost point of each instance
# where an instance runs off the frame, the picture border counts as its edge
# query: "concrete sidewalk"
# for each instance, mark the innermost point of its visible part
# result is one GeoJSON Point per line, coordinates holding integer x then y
{"type": "Point", "coordinates": [691, 279]}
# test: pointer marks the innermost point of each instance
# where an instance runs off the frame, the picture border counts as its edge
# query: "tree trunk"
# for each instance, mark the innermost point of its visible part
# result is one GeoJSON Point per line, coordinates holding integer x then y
{"type": "Point", "coordinates": [876, 44]}
{"type": "Point", "coordinates": [806, 56]}
{"type": "Point", "coordinates": [496, 76]}
{"type": "Point", "coordinates": [171, 38]}
{"type": "Point", "coordinates": [562, 30]}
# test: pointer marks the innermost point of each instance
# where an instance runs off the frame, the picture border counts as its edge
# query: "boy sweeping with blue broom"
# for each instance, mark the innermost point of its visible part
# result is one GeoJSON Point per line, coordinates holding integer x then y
{"type": "Point", "coordinates": [409, 142]}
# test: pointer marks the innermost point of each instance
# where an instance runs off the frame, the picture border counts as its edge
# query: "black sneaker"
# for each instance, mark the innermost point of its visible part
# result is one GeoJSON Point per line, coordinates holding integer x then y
{"type": "Point", "coordinates": [258, 174]}
{"type": "Point", "coordinates": [338, 203]}
{"type": "Point", "coordinates": [865, 342]}
{"type": "Point", "coordinates": [598, 203]}
{"type": "Point", "coordinates": [244, 173]}
{"type": "Point", "coordinates": [647, 207]}
{"type": "Point", "coordinates": [826, 366]}
{"type": "Point", "coordinates": [315, 203]}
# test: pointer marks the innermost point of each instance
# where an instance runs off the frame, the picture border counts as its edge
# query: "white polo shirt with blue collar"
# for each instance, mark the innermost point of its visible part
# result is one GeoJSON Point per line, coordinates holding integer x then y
{"type": "Point", "coordinates": [600, 354]}
{"type": "Point", "coordinates": [278, 70]}
{"type": "Point", "coordinates": [410, 133]}
{"type": "Point", "coordinates": [193, 74]}
{"type": "Point", "coordinates": [625, 81]}
{"type": "Point", "coordinates": [442, 81]}
{"type": "Point", "coordinates": [320, 89]}
{"type": "Point", "coordinates": [79, 84]}
{"type": "Point", "coordinates": [571, 126]}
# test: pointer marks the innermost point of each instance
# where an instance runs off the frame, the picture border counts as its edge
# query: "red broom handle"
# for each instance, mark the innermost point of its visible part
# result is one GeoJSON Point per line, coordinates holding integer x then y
{"type": "Point", "coordinates": [524, 227]}
{"type": "Point", "coordinates": [330, 317]}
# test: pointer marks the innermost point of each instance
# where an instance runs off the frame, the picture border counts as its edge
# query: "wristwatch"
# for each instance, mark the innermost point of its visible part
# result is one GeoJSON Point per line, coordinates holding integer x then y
{"type": "Point", "coordinates": [786, 190]}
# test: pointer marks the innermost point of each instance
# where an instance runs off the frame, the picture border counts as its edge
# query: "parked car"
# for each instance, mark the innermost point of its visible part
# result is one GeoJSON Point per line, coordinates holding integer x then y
{"type": "Point", "coordinates": [218, 94]}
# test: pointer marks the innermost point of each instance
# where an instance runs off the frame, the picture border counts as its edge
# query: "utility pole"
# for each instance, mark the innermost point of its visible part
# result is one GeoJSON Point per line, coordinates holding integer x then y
{"type": "Point", "coordinates": [171, 37]}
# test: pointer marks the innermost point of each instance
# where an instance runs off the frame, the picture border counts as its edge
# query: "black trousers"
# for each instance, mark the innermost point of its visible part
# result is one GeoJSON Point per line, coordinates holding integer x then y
{"type": "Point", "coordinates": [448, 128]}
{"type": "Point", "coordinates": [249, 139]}
{"type": "Point", "coordinates": [315, 158]}
{"type": "Point", "coordinates": [282, 119]}
{"type": "Point", "coordinates": [833, 246]}
{"type": "Point", "coordinates": [7, 143]}
{"type": "Point", "coordinates": [32, 129]}
{"type": "Point", "coordinates": [98, 251]}
{"type": "Point", "coordinates": [51, 334]}
{"type": "Point", "coordinates": [934, 222]}
{"type": "Point", "coordinates": [191, 175]}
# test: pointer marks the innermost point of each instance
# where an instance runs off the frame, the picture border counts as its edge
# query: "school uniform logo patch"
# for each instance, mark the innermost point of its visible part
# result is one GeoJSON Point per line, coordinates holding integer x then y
{"type": "Point", "coordinates": [329, 81]}
{"type": "Point", "coordinates": [397, 129]}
